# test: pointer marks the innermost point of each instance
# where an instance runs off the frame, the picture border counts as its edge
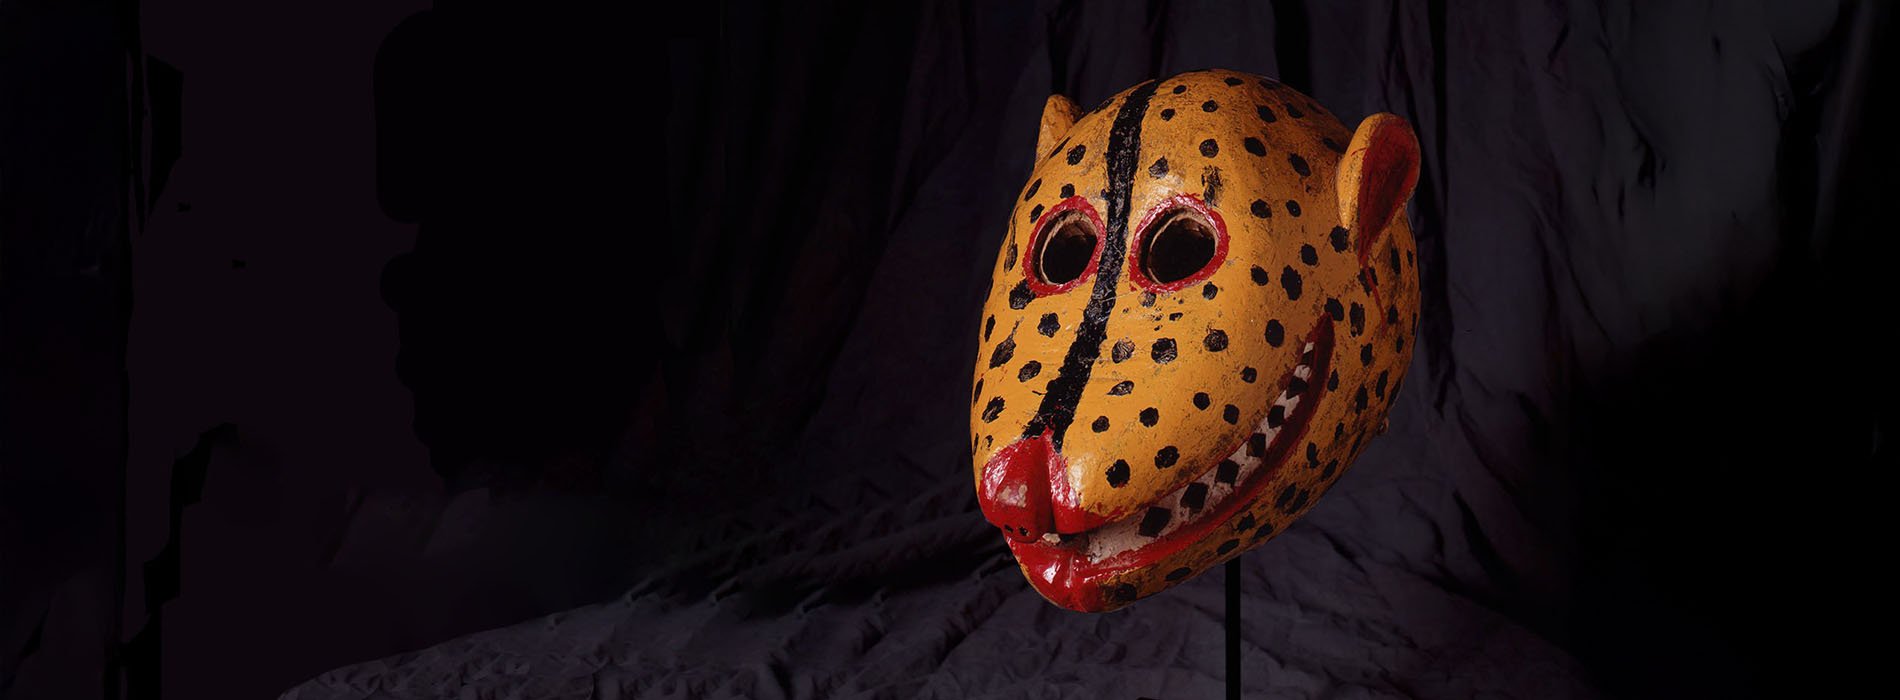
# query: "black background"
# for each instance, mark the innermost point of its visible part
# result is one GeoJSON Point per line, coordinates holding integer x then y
{"type": "Point", "coordinates": [334, 330]}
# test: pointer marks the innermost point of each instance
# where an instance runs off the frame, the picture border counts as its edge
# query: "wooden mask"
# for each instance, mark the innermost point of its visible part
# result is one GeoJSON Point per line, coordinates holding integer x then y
{"type": "Point", "coordinates": [1202, 311]}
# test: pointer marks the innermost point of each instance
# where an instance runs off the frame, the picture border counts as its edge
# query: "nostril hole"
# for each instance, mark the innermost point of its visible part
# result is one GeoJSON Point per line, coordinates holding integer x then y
{"type": "Point", "coordinates": [1066, 250]}
{"type": "Point", "coordinates": [1179, 247]}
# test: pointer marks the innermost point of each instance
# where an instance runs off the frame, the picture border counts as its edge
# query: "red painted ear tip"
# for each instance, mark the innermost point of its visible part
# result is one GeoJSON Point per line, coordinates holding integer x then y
{"type": "Point", "coordinates": [1391, 151]}
{"type": "Point", "coordinates": [1391, 154]}
{"type": "Point", "coordinates": [1379, 173]}
{"type": "Point", "coordinates": [1390, 132]}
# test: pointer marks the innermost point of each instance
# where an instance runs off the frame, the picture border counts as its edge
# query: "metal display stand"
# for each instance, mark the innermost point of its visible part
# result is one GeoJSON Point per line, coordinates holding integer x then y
{"type": "Point", "coordinates": [1233, 629]}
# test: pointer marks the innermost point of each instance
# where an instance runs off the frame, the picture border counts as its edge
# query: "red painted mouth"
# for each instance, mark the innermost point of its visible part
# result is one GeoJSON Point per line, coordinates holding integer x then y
{"type": "Point", "coordinates": [1073, 569]}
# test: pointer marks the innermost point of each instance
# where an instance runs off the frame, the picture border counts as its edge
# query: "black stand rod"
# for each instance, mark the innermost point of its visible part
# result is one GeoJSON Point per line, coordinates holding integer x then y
{"type": "Point", "coordinates": [1233, 629]}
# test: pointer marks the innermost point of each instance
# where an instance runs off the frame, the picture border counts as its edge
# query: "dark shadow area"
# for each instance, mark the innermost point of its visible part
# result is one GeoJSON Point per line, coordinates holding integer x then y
{"type": "Point", "coordinates": [66, 212]}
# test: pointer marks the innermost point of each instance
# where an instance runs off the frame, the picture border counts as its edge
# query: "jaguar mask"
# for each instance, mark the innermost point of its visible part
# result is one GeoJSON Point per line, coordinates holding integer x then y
{"type": "Point", "coordinates": [1202, 311]}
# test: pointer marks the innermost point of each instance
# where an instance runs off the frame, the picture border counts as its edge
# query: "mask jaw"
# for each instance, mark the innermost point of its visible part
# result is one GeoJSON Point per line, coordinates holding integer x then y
{"type": "Point", "coordinates": [1058, 115]}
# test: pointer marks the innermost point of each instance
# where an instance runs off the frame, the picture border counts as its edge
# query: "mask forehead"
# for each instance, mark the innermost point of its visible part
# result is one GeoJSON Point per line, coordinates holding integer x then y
{"type": "Point", "coordinates": [1052, 340]}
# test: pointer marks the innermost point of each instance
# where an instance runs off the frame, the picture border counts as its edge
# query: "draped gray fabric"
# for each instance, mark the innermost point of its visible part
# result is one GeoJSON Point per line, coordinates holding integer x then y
{"type": "Point", "coordinates": [1622, 206]}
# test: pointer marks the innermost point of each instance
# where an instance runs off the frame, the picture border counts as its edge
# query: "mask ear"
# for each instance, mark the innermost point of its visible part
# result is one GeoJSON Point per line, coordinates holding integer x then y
{"type": "Point", "coordinates": [1375, 178]}
{"type": "Point", "coordinates": [1058, 114]}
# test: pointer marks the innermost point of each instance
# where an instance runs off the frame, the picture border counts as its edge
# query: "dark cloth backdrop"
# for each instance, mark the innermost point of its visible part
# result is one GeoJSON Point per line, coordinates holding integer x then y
{"type": "Point", "coordinates": [597, 350]}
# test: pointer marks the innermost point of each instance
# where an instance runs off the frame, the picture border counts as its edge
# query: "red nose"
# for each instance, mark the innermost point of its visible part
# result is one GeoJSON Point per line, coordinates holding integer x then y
{"type": "Point", "coordinates": [1025, 491]}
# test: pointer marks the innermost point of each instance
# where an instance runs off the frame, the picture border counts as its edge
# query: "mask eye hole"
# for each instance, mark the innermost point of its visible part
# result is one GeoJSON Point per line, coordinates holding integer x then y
{"type": "Point", "coordinates": [1181, 243]}
{"type": "Point", "coordinates": [1179, 248]}
{"type": "Point", "coordinates": [1065, 248]}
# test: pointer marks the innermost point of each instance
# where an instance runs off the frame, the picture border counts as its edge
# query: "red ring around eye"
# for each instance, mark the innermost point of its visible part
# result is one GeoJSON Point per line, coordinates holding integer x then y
{"type": "Point", "coordinates": [1032, 259]}
{"type": "Point", "coordinates": [1138, 274]}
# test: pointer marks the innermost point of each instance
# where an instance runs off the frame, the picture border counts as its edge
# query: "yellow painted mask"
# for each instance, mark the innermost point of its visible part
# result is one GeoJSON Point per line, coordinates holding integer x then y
{"type": "Point", "coordinates": [1202, 311]}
